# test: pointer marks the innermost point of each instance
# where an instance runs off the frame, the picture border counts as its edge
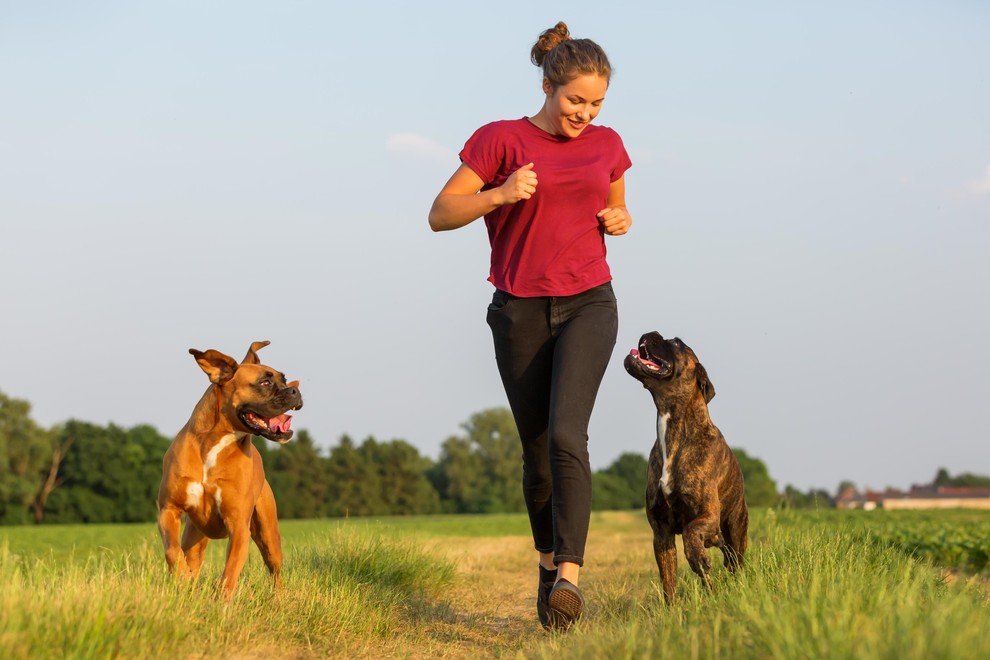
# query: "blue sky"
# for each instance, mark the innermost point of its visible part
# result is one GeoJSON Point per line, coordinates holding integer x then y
{"type": "Point", "coordinates": [810, 192]}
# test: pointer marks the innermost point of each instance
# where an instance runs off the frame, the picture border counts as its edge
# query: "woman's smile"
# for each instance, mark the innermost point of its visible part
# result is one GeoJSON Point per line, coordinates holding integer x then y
{"type": "Point", "coordinates": [569, 108]}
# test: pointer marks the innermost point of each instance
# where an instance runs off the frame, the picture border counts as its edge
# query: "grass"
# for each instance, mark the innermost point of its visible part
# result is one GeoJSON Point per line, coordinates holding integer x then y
{"type": "Point", "coordinates": [453, 586]}
{"type": "Point", "coordinates": [807, 592]}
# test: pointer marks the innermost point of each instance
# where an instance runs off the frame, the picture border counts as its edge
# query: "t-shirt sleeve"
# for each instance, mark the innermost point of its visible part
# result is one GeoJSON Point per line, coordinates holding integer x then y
{"type": "Point", "coordinates": [484, 152]}
{"type": "Point", "coordinates": [622, 161]}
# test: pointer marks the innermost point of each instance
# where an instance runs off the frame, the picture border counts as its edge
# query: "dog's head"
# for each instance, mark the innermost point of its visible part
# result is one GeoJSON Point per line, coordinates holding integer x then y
{"type": "Point", "coordinates": [253, 396]}
{"type": "Point", "coordinates": [668, 368]}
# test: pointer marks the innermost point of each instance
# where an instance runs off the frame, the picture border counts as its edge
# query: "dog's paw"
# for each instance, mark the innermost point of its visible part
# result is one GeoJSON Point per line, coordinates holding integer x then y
{"type": "Point", "coordinates": [699, 560]}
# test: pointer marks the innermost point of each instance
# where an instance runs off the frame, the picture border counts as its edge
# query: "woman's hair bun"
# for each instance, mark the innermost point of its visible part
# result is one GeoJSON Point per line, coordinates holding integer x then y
{"type": "Point", "coordinates": [549, 39]}
{"type": "Point", "coordinates": [564, 58]}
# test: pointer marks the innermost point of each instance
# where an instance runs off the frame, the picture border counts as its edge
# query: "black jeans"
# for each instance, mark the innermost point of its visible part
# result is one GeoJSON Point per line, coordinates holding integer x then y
{"type": "Point", "coordinates": [551, 354]}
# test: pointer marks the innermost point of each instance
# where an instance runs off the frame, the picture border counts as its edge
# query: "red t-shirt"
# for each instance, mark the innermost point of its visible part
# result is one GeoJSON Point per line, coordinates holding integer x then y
{"type": "Point", "coordinates": [551, 244]}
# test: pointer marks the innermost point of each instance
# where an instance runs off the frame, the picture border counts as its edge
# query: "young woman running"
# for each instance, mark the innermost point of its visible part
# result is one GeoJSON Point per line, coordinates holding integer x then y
{"type": "Point", "coordinates": [550, 186]}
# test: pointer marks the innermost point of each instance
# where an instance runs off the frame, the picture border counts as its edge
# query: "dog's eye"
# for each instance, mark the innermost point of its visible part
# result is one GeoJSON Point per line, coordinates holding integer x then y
{"type": "Point", "coordinates": [265, 383]}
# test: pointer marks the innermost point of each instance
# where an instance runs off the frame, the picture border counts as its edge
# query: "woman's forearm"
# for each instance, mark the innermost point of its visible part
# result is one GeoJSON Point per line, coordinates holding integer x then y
{"type": "Point", "coordinates": [453, 210]}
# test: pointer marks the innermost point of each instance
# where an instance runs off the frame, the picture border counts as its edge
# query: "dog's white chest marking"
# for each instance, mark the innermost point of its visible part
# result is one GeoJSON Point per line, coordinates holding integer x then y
{"type": "Point", "coordinates": [194, 491]}
{"type": "Point", "coordinates": [666, 482]}
{"type": "Point", "coordinates": [211, 458]}
{"type": "Point", "coordinates": [194, 495]}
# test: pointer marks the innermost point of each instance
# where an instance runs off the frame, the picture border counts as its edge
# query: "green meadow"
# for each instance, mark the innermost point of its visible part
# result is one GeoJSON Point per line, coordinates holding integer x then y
{"type": "Point", "coordinates": [816, 584]}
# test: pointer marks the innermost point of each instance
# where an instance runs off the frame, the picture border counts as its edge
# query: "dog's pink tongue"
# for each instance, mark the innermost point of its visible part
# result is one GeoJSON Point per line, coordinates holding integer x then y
{"type": "Point", "coordinates": [634, 353]}
{"type": "Point", "coordinates": [280, 424]}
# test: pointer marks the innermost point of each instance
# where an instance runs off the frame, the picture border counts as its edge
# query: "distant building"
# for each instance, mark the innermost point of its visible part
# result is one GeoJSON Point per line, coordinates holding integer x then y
{"type": "Point", "coordinates": [919, 497]}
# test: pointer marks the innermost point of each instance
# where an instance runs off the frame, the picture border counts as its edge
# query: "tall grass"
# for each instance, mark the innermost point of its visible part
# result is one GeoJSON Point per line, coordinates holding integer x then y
{"type": "Point", "coordinates": [812, 587]}
{"type": "Point", "coordinates": [805, 592]}
{"type": "Point", "coordinates": [347, 591]}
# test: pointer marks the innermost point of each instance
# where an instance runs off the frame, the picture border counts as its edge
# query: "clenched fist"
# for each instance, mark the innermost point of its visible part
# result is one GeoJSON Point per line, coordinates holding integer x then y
{"type": "Point", "coordinates": [616, 221]}
{"type": "Point", "coordinates": [521, 184]}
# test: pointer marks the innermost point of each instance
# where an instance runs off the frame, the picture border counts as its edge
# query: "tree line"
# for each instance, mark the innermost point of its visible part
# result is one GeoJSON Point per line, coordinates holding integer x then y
{"type": "Point", "coordinates": [78, 471]}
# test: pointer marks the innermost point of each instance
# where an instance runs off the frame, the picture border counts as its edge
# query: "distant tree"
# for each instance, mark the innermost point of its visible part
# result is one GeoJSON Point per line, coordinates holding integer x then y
{"type": "Point", "coordinates": [49, 478]}
{"type": "Point", "coordinates": [401, 471]}
{"type": "Point", "coordinates": [298, 475]}
{"type": "Point", "coordinates": [963, 480]}
{"type": "Point", "coordinates": [942, 478]}
{"type": "Point", "coordinates": [379, 478]}
{"type": "Point", "coordinates": [760, 488]}
{"type": "Point", "coordinates": [611, 493]}
{"type": "Point", "coordinates": [844, 485]}
{"type": "Point", "coordinates": [493, 433]}
{"type": "Point", "coordinates": [152, 446]}
{"type": "Point", "coordinates": [622, 485]}
{"type": "Point", "coordinates": [354, 488]}
{"type": "Point", "coordinates": [25, 450]}
{"type": "Point", "coordinates": [820, 499]}
{"type": "Point", "coordinates": [109, 474]}
{"type": "Point", "coordinates": [482, 471]}
{"type": "Point", "coordinates": [631, 468]}
{"type": "Point", "coordinates": [793, 498]}
{"type": "Point", "coordinates": [458, 477]}
{"type": "Point", "coordinates": [267, 450]}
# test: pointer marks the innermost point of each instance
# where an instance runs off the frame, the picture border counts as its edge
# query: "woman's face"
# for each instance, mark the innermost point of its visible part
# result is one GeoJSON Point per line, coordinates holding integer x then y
{"type": "Point", "coordinates": [571, 107]}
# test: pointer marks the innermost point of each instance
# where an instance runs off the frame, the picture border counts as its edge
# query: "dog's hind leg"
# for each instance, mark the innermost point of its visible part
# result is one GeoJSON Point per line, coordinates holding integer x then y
{"type": "Point", "coordinates": [734, 532]}
{"type": "Point", "coordinates": [194, 547]}
{"type": "Point", "coordinates": [264, 531]}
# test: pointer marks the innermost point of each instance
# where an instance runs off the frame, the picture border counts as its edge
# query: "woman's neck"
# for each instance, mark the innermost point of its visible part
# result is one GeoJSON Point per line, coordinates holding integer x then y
{"type": "Point", "coordinates": [540, 121]}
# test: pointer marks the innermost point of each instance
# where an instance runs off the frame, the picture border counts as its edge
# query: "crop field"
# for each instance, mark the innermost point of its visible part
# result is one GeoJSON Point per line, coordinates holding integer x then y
{"type": "Point", "coordinates": [818, 584]}
{"type": "Point", "coordinates": [952, 539]}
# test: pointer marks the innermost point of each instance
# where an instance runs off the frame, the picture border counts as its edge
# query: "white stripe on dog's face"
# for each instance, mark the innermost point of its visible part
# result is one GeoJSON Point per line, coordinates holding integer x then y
{"type": "Point", "coordinates": [211, 458]}
{"type": "Point", "coordinates": [666, 482]}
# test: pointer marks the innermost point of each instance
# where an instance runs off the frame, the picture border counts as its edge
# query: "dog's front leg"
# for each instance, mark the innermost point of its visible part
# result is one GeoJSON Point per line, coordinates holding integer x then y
{"type": "Point", "coordinates": [169, 525]}
{"type": "Point", "coordinates": [701, 534]}
{"type": "Point", "coordinates": [264, 531]}
{"type": "Point", "coordinates": [237, 551]}
{"type": "Point", "coordinates": [664, 549]}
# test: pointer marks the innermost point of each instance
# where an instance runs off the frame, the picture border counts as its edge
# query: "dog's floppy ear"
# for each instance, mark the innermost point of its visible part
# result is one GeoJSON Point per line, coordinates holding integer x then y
{"type": "Point", "coordinates": [705, 385]}
{"type": "Point", "coordinates": [219, 367]}
{"type": "Point", "coordinates": [252, 356]}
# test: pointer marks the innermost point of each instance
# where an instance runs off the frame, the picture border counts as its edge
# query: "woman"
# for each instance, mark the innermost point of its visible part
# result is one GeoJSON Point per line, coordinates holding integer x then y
{"type": "Point", "coordinates": [550, 186]}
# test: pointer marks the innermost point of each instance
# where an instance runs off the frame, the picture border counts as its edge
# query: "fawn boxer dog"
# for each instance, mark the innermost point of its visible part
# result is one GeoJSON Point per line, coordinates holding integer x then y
{"type": "Point", "coordinates": [694, 486]}
{"type": "Point", "coordinates": [213, 474]}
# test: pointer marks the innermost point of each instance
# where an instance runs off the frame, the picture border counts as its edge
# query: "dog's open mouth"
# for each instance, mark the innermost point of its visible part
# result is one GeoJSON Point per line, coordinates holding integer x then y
{"type": "Point", "coordinates": [656, 366]}
{"type": "Point", "coordinates": [277, 428]}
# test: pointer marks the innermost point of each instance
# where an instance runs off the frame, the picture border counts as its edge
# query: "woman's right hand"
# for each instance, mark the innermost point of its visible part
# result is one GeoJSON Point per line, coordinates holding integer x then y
{"type": "Point", "coordinates": [462, 201]}
{"type": "Point", "coordinates": [520, 185]}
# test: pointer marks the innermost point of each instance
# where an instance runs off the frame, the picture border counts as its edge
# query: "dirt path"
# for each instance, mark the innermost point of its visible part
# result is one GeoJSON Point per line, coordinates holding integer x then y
{"type": "Point", "coordinates": [493, 601]}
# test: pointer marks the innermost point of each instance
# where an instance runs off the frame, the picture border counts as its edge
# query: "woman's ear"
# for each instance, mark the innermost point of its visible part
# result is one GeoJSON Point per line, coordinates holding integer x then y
{"type": "Point", "coordinates": [547, 86]}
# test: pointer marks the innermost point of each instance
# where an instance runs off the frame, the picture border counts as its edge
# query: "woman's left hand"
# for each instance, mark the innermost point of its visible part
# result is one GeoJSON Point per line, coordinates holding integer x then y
{"type": "Point", "coordinates": [615, 220]}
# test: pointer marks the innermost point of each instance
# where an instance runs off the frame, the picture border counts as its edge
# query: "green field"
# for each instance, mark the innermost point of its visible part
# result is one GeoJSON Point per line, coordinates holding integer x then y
{"type": "Point", "coordinates": [824, 584]}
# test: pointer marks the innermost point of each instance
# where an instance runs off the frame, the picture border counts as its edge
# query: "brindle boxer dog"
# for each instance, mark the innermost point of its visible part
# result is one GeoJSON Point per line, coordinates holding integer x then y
{"type": "Point", "coordinates": [213, 473]}
{"type": "Point", "coordinates": [694, 485]}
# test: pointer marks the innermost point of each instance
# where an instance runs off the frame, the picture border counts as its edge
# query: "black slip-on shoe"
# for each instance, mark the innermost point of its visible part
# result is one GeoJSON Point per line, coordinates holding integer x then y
{"type": "Point", "coordinates": [547, 579]}
{"type": "Point", "coordinates": [566, 604]}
